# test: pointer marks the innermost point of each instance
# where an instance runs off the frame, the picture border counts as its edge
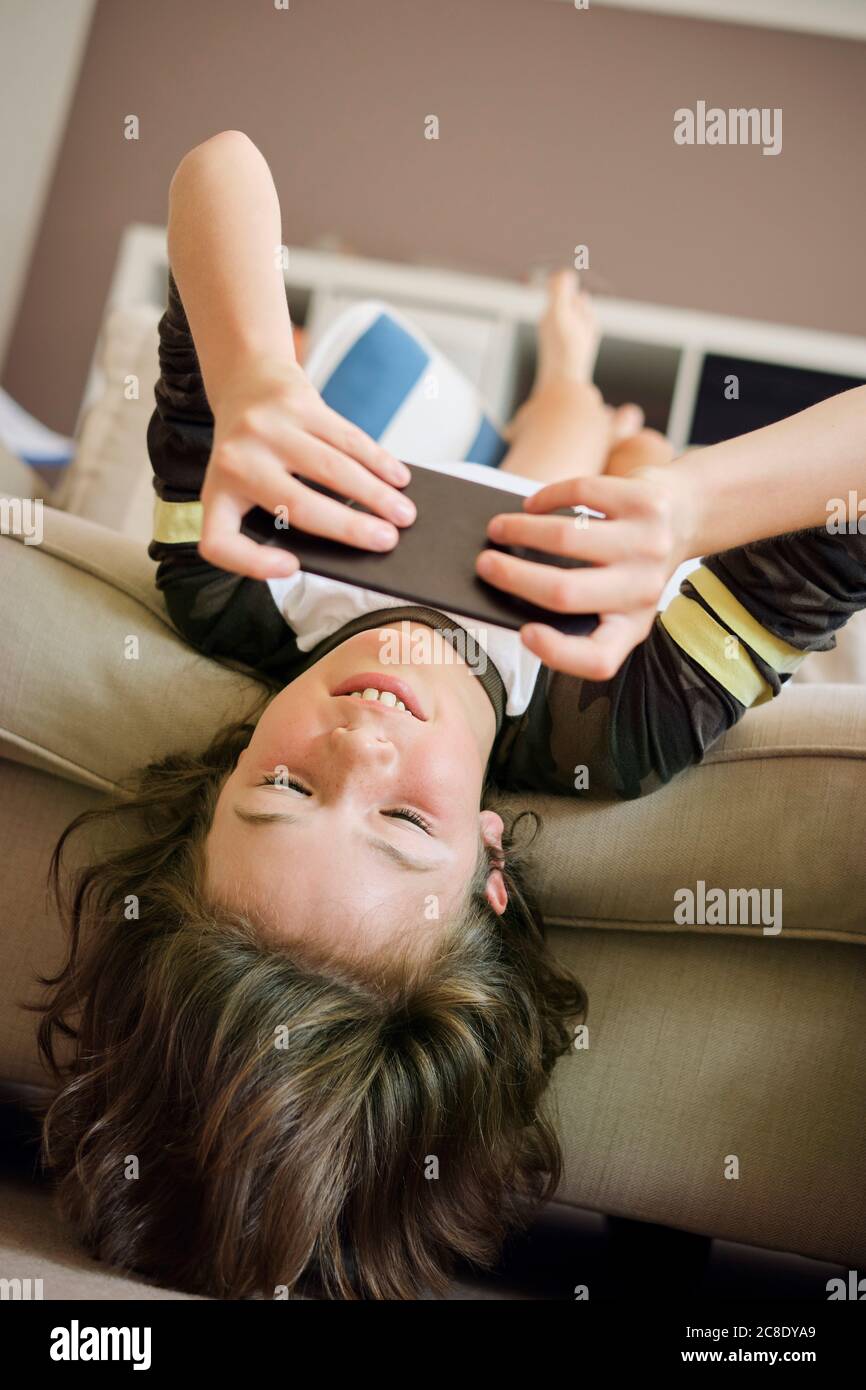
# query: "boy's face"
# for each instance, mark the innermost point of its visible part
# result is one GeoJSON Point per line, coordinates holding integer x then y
{"type": "Point", "coordinates": [374, 821]}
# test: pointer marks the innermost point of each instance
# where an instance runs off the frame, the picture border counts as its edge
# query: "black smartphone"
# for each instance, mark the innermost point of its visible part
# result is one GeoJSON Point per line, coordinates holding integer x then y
{"type": "Point", "coordinates": [433, 563]}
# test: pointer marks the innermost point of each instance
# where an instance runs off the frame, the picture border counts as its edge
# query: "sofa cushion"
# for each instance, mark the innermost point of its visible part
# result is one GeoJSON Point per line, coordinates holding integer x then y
{"type": "Point", "coordinates": [699, 1047]}
{"type": "Point", "coordinates": [704, 1048]}
{"type": "Point", "coordinates": [78, 607]}
{"type": "Point", "coordinates": [110, 479]}
{"type": "Point", "coordinates": [87, 633]}
{"type": "Point", "coordinates": [776, 804]}
{"type": "Point", "coordinates": [680, 1016]}
{"type": "Point", "coordinates": [34, 1244]}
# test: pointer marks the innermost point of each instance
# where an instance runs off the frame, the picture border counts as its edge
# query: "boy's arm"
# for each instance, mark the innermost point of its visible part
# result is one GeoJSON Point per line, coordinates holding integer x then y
{"type": "Point", "coordinates": [236, 418]}
{"type": "Point", "coordinates": [784, 477]}
{"type": "Point", "coordinates": [224, 615]}
{"type": "Point", "coordinates": [224, 234]}
{"type": "Point", "coordinates": [271, 427]}
{"type": "Point", "coordinates": [638, 708]}
{"type": "Point", "coordinates": [807, 471]}
{"type": "Point", "coordinates": [740, 626]}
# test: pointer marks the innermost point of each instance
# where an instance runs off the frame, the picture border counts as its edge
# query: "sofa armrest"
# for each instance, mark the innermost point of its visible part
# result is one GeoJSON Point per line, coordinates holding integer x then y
{"type": "Point", "coordinates": [98, 682]}
{"type": "Point", "coordinates": [777, 803]}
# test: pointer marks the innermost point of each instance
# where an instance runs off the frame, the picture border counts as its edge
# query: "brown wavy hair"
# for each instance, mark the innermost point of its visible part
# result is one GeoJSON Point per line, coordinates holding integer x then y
{"type": "Point", "coordinates": [236, 1119]}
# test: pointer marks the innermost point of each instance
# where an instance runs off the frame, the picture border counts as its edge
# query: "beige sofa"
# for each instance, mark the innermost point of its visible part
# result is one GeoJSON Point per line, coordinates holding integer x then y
{"type": "Point", "coordinates": [704, 1043]}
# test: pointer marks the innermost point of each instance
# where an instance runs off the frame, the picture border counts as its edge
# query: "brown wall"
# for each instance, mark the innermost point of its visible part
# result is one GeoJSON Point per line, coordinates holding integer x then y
{"type": "Point", "coordinates": [556, 128]}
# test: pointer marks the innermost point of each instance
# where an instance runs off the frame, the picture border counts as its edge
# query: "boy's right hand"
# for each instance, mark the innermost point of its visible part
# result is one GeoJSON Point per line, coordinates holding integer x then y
{"type": "Point", "coordinates": [629, 558]}
{"type": "Point", "coordinates": [271, 430]}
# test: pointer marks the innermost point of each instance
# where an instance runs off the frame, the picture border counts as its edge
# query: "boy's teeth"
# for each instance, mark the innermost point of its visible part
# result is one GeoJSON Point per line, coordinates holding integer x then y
{"type": "Point", "coordinates": [385, 697]}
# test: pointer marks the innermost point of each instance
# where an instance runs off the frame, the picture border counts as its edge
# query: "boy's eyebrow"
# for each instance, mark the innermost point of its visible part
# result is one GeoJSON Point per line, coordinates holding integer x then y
{"type": "Point", "coordinates": [406, 861]}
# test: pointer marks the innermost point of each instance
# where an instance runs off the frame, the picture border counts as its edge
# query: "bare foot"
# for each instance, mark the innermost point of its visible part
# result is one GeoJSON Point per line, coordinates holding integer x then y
{"type": "Point", "coordinates": [564, 429]}
{"type": "Point", "coordinates": [644, 449]}
{"type": "Point", "coordinates": [568, 333]}
{"type": "Point", "coordinates": [568, 336]}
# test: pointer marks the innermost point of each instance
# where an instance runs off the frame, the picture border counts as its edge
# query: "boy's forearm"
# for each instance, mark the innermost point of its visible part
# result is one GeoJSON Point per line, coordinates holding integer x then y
{"type": "Point", "coordinates": [777, 479]}
{"type": "Point", "coordinates": [224, 234]}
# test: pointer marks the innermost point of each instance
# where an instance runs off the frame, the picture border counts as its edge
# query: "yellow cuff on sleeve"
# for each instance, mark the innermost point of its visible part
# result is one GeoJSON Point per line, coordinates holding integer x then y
{"type": "Point", "coordinates": [698, 634]}
{"type": "Point", "coordinates": [175, 523]}
{"type": "Point", "coordinates": [774, 650]}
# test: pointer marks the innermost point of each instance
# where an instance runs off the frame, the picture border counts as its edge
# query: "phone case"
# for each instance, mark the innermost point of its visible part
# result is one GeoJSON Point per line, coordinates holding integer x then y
{"type": "Point", "coordinates": [433, 561]}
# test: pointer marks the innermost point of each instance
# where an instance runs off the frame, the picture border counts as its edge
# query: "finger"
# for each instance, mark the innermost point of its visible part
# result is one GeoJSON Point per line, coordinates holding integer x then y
{"type": "Point", "coordinates": [597, 657]}
{"type": "Point", "coordinates": [350, 439]}
{"type": "Point", "coordinates": [324, 516]}
{"type": "Point", "coordinates": [222, 544]}
{"type": "Point", "coordinates": [267, 485]}
{"type": "Point", "coordinates": [259, 479]}
{"type": "Point", "coordinates": [585, 589]}
{"type": "Point", "coordinates": [613, 496]}
{"type": "Point", "coordinates": [322, 463]}
{"type": "Point", "coordinates": [578, 536]}
{"type": "Point", "coordinates": [311, 511]}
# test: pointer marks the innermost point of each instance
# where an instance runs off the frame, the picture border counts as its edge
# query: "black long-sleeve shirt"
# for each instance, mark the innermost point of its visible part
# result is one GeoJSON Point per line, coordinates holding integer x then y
{"type": "Point", "coordinates": [730, 639]}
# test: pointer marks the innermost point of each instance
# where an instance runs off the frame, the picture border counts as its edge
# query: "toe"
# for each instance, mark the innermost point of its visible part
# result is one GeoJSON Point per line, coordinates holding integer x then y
{"type": "Point", "coordinates": [562, 288]}
{"type": "Point", "coordinates": [627, 421]}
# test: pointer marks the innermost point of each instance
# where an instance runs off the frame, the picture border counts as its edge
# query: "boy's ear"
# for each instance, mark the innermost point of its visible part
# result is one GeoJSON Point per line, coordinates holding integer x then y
{"type": "Point", "coordinates": [497, 893]}
{"type": "Point", "coordinates": [491, 833]}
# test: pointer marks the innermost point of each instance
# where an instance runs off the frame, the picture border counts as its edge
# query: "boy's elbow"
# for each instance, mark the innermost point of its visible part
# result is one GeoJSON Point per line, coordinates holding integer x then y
{"type": "Point", "coordinates": [225, 142]}
{"type": "Point", "coordinates": [225, 139]}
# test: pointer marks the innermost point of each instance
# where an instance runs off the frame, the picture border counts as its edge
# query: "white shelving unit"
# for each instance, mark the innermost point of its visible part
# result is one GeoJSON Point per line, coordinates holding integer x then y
{"type": "Point", "coordinates": [838, 18]}
{"type": "Point", "coordinates": [650, 354]}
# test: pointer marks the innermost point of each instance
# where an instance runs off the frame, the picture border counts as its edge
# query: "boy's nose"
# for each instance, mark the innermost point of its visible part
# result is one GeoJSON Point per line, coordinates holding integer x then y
{"type": "Point", "coordinates": [363, 744]}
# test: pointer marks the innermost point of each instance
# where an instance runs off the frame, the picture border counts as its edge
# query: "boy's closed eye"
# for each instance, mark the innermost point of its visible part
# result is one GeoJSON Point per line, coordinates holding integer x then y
{"type": "Point", "coordinates": [384, 847]}
{"type": "Point", "coordinates": [405, 813]}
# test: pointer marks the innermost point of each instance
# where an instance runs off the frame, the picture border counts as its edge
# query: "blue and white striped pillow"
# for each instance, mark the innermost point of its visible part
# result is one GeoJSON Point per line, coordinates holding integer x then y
{"type": "Point", "coordinates": [379, 370]}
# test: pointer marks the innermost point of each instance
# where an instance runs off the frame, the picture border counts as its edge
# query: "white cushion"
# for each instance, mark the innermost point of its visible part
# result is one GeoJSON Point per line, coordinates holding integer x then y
{"type": "Point", "coordinates": [109, 481]}
{"type": "Point", "coordinates": [18, 479]}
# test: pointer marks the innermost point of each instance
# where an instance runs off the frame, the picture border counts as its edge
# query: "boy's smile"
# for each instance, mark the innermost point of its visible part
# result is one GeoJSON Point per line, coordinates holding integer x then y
{"type": "Point", "coordinates": [348, 818]}
{"type": "Point", "coordinates": [389, 691]}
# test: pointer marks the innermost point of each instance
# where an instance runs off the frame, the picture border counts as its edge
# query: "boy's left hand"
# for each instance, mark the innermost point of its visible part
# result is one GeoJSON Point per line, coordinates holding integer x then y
{"type": "Point", "coordinates": [631, 556]}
